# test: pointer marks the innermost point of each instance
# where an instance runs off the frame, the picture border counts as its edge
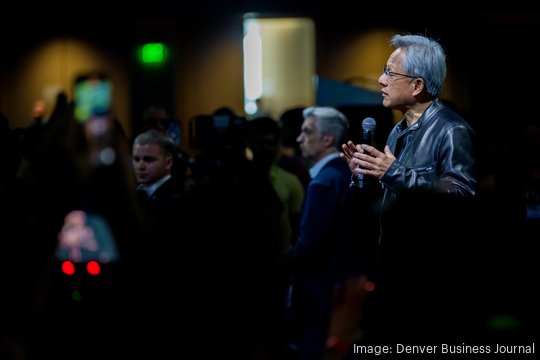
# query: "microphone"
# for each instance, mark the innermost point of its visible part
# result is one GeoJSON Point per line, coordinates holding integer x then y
{"type": "Point", "coordinates": [368, 125]}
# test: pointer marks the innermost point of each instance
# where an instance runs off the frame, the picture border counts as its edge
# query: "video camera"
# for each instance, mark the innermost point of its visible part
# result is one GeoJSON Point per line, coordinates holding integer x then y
{"type": "Point", "coordinates": [218, 131]}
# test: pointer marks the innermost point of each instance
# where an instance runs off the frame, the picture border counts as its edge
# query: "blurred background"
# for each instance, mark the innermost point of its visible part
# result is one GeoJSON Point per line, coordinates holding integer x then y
{"type": "Point", "coordinates": [201, 56]}
{"type": "Point", "coordinates": [192, 58]}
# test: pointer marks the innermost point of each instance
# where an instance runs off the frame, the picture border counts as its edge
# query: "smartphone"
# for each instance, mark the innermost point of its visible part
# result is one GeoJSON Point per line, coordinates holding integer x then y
{"type": "Point", "coordinates": [93, 111]}
{"type": "Point", "coordinates": [92, 96]}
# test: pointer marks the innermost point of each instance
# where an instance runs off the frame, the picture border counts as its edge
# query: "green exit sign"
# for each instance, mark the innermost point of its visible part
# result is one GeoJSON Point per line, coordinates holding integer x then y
{"type": "Point", "coordinates": [153, 53]}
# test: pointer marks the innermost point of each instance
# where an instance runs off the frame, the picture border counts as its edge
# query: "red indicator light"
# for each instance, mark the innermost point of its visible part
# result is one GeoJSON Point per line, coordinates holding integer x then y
{"type": "Point", "coordinates": [68, 268]}
{"type": "Point", "coordinates": [93, 267]}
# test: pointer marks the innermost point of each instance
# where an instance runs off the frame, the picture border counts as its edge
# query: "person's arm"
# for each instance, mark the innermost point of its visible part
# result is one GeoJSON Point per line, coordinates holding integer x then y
{"type": "Point", "coordinates": [454, 172]}
{"type": "Point", "coordinates": [458, 165]}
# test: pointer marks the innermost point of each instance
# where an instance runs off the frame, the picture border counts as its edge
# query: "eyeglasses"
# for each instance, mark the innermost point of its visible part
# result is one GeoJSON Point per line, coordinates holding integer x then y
{"type": "Point", "coordinates": [390, 74]}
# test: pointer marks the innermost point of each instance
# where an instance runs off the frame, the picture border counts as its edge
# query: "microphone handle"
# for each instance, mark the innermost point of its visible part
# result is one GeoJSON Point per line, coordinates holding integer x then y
{"type": "Point", "coordinates": [361, 182]}
{"type": "Point", "coordinates": [368, 137]}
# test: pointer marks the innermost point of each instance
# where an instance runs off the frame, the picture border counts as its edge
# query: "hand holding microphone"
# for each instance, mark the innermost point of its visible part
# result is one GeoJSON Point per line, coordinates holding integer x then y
{"type": "Point", "coordinates": [368, 126]}
{"type": "Point", "coordinates": [364, 159]}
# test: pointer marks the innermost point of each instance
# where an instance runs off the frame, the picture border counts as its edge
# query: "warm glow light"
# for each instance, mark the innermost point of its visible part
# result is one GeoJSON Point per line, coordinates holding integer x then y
{"type": "Point", "coordinates": [279, 64]}
{"type": "Point", "coordinates": [252, 60]}
{"type": "Point", "coordinates": [369, 286]}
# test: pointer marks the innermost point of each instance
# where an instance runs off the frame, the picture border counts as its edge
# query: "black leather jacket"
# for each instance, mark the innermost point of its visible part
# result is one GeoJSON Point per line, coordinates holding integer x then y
{"type": "Point", "coordinates": [437, 153]}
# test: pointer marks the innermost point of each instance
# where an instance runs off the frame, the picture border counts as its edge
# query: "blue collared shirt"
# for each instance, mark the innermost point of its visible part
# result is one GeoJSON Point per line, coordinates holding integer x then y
{"type": "Point", "coordinates": [315, 169]}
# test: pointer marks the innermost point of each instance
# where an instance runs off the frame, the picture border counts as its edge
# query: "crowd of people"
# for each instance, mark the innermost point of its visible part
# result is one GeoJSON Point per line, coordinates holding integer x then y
{"type": "Point", "coordinates": [276, 243]}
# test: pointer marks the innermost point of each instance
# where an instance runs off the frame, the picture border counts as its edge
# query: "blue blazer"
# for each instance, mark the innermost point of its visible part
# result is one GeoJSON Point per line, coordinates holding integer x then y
{"type": "Point", "coordinates": [330, 247]}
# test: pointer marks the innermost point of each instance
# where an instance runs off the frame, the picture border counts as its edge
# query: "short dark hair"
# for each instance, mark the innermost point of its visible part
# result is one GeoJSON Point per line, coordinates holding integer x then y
{"type": "Point", "coordinates": [156, 137]}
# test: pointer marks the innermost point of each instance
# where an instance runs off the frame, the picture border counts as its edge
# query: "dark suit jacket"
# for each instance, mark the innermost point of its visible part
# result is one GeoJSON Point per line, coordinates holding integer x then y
{"type": "Point", "coordinates": [332, 244]}
{"type": "Point", "coordinates": [166, 200]}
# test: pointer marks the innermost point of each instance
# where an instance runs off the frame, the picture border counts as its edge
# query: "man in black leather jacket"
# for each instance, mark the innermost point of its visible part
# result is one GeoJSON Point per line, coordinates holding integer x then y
{"type": "Point", "coordinates": [428, 173]}
{"type": "Point", "coordinates": [432, 147]}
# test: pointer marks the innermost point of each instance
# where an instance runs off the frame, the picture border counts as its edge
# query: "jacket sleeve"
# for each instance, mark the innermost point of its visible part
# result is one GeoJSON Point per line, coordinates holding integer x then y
{"type": "Point", "coordinates": [457, 167]}
{"type": "Point", "coordinates": [452, 172]}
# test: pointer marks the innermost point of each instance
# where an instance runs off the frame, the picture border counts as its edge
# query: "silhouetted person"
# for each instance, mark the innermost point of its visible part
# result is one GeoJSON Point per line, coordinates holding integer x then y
{"type": "Point", "coordinates": [265, 145]}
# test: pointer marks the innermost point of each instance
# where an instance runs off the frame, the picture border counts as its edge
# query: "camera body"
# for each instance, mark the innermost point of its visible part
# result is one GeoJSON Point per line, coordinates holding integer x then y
{"type": "Point", "coordinates": [218, 132]}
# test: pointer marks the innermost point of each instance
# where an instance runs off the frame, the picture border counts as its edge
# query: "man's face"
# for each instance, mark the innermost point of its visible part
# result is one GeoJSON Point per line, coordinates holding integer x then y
{"type": "Point", "coordinates": [397, 90]}
{"type": "Point", "coordinates": [150, 163]}
{"type": "Point", "coordinates": [310, 139]}
{"type": "Point", "coordinates": [266, 148]}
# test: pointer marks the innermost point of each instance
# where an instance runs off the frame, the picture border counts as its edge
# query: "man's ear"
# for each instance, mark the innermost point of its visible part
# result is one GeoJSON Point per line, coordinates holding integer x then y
{"type": "Point", "coordinates": [419, 86]}
{"type": "Point", "coordinates": [329, 140]}
{"type": "Point", "coordinates": [169, 161]}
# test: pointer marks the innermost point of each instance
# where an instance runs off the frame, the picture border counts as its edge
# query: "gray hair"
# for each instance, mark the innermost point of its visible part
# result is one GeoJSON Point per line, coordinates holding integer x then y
{"type": "Point", "coordinates": [424, 58]}
{"type": "Point", "coordinates": [331, 121]}
{"type": "Point", "coordinates": [156, 137]}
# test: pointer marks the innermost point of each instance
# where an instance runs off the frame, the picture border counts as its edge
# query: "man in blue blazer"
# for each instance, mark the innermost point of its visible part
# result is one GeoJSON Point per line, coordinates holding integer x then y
{"type": "Point", "coordinates": [329, 249]}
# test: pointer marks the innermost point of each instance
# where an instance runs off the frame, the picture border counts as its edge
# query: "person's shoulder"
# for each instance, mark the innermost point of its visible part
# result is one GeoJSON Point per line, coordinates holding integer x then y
{"type": "Point", "coordinates": [290, 181]}
{"type": "Point", "coordinates": [338, 164]}
{"type": "Point", "coordinates": [171, 188]}
{"type": "Point", "coordinates": [286, 174]}
{"type": "Point", "coordinates": [334, 171]}
{"type": "Point", "coordinates": [448, 117]}
{"type": "Point", "coordinates": [450, 112]}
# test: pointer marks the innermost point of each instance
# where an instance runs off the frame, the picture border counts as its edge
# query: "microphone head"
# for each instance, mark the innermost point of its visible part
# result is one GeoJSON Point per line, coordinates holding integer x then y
{"type": "Point", "coordinates": [369, 124]}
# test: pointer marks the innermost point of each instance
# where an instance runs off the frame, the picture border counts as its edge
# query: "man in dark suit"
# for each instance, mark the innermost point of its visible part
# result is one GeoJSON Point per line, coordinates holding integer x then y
{"type": "Point", "coordinates": [328, 250]}
{"type": "Point", "coordinates": [159, 269]}
{"type": "Point", "coordinates": [153, 158]}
